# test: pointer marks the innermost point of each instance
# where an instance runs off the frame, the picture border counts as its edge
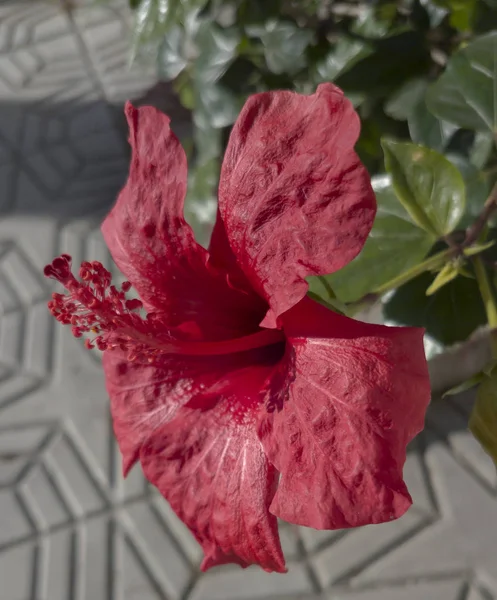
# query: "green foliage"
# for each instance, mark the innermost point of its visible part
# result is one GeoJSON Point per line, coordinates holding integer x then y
{"type": "Point", "coordinates": [395, 244]}
{"type": "Point", "coordinates": [466, 94]}
{"type": "Point", "coordinates": [450, 315]}
{"type": "Point", "coordinates": [430, 188]}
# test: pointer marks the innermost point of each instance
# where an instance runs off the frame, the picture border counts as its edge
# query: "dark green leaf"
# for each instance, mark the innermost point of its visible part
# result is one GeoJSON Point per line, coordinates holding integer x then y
{"type": "Point", "coordinates": [394, 245]}
{"type": "Point", "coordinates": [151, 17]}
{"type": "Point", "coordinates": [436, 14]}
{"type": "Point", "coordinates": [477, 189]}
{"type": "Point", "coordinates": [483, 420]}
{"type": "Point", "coordinates": [371, 24]}
{"type": "Point", "coordinates": [426, 129]}
{"type": "Point", "coordinates": [451, 315]}
{"type": "Point", "coordinates": [343, 56]}
{"type": "Point", "coordinates": [172, 57]}
{"type": "Point", "coordinates": [428, 185]}
{"type": "Point", "coordinates": [466, 93]}
{"type": "Point", "coordinates": [405, 99]}
{"type": "Point", "coordinates": [284, 45]}
{"type": "Point", "coordinates": [482, 148]}
{"type": "Point", "coordinates": [396, 60]}
{"type": "Point", "coordinates": [216, 49]}
{"type": "Point", "coordinates": [216, 106]}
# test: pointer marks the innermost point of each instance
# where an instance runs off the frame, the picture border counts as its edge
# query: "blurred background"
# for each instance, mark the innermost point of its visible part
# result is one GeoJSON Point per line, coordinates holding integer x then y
{"type": "Point", "coordinates": [70, 527]}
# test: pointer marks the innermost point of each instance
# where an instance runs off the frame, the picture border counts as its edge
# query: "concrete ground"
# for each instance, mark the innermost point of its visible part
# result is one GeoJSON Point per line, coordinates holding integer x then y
{"type": "Point", "coordinates": [70, 528]}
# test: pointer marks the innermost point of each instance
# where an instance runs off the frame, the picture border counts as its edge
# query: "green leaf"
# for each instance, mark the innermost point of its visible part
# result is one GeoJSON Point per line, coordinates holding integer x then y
{"type": "Point", "coordinates": [216, 49]}
{"type": "Point", "coordinates": [403, 102]}
{"type": "Point", "coordinates": [482, 149]}
{"type": "Point", "coordinates": [483, 420]}
{"type": "Point", "coordinates": [394, 245]}
{"type": "Point", "coordinates": [369, 23]}
{"type": "Point", "coordinates": [462, 13]}
{"type": "Point", "coordinates": [216, 106]}
{"type": "Point", "coordinates": [172, 59]}
{"type": "Point", "coordinates": [477, 190]}
{"type": "Point", "coordinates": [449, 316]}
{"type": "Point", "coordinates": [466, 93]}
{"type": "Point", "coordinates": [342, 57]}
{"type": "Point", "coordinates": [426, 129]}
{"type": "Point", "coordinates": [465, 385]}
{"type": "Point", "coordinates": [154, 18]}
{"type": "Point", "coordinates": [436, 14]}
{"type": "Point", "coordinates": [395, 60]}
{"type": "Point", "coordinates": [284, 45]}
{"type": "Point", "coordinates": [427, 184]}
{"type": "Point", "coordinates": [448, 273]}
{"type": "Point", "coordinates": [478, 248]}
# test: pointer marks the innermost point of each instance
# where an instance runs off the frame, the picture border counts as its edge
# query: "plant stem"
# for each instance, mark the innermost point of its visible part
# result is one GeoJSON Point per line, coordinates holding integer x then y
{"type": "Point", "coordinates": [436, 261]}
{"type": "Point", "coordinates": [486, 291]}
{"type": "Point", "coordinates": [490, 206]}
{"type": "Point", "coordinates": [433, 262]}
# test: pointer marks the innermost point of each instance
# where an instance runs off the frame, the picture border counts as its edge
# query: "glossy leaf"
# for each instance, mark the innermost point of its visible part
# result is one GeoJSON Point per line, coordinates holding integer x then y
{"type": "Point", "coordinates": [370, 24]}
{"type": "Point", "coordinates": [216, 49]}
{"type": "Point", "coordinates": [477, 189]}
{"type": "Point", "coordinates": [482, 148]}
{"type": "Point", "coordinates": [284, 45]}
{"type": "Point", "coordinates": [402, 103]}
{"type": "Point", "coordinates": [428, 130]}
{"type": "Point", "coordinates": [483, 420]}
{"type": "Point", "coordinates": [449, 316]}
{"type": "Point", "coordinates": [172, 58]}
{"type": "Point", "coordinates": [396, 60]}
{"type": "Point", "coordinates": [427, 184]}
{"type": "Point", "coordinates": [342, 57]}
{"type": "Point", "coordinates": [466, 93]}
{"type": "Point", "coordinates": [394, 245]}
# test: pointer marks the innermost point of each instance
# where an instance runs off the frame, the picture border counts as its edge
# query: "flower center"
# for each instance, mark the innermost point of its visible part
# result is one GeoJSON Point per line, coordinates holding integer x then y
{"type": "Point", "coordinates": [95, 306]}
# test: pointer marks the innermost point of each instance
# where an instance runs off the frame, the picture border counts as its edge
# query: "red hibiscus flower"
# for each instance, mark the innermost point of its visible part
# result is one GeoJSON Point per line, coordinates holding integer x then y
{"type": "Point", "coordinates": [243, 399]}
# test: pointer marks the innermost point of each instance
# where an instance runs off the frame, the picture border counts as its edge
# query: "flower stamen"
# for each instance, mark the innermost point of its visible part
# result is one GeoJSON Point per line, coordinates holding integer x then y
{"type": "Point", "coordinates": [95, 306]}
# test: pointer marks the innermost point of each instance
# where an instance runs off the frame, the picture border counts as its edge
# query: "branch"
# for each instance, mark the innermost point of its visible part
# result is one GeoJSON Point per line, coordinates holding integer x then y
{"type": "Point", "coordinates": [490, 206]}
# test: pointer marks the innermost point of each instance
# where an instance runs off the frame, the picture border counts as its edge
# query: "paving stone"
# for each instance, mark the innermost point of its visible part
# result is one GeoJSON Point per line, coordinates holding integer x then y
{"type": "Point", "coordinates": [462, 540]}
{"type": "Point", "coordinates": [437, 590]}
{"type": "Point", "coordinates": [70, 527]}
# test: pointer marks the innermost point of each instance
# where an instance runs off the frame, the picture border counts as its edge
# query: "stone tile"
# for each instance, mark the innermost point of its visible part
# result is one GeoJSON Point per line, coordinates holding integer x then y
{"type": "Point", "coordinates": [230, 583]}
{"type": "Point", "coordinates": [462, 540]}
{"type": "Point", "coordinates": [437, 590]}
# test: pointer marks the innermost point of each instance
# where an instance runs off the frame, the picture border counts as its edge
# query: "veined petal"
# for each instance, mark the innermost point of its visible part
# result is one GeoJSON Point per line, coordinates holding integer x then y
{"type": "Point", "coordinates": [210, 466]}
{"type": "Point", "coordinates": [144, 397]}
{"type": "Point", "coordinates": [293, 195]}
{"type": "Point", "coordinates": [355, 396]}
{"type": "Point", "coordinates": [155, 248]}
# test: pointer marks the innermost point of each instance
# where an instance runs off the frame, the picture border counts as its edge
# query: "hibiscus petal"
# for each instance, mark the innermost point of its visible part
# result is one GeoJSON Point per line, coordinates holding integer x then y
{"type": "Point", "coordinates": [155, 248]}
{"type": "Point", "coordinates": [356, 394]}
{"type": "Point", "coordinates": [210, 466]}
{"type": "Point", "coordinates": [293, 195]}
{"type": "Point", "coordinates": [144, 397]}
